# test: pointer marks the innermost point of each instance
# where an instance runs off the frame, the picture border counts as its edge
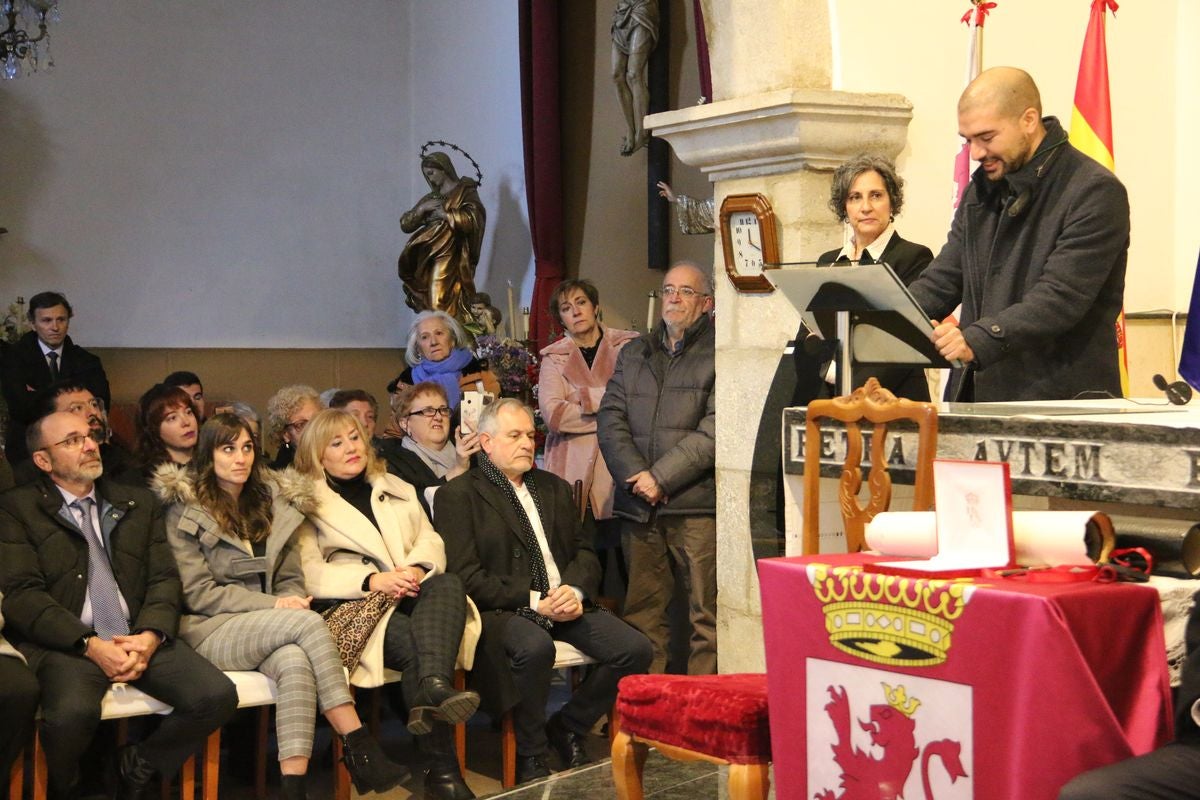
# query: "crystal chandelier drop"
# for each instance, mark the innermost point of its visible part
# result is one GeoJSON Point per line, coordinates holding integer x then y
{"type": "Point", "coordinates": [16, 46]}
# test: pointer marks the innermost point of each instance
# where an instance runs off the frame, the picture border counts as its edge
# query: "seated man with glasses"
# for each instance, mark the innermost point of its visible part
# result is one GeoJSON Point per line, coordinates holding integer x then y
{"type": "Point", "coordinates": [656, 426]}
{"type": "Point", "coordinates": [76, 398]}
{"type": "Point", "coordinates": [91, 598]}
{"type": "Point", "coordinates": [429, 454]}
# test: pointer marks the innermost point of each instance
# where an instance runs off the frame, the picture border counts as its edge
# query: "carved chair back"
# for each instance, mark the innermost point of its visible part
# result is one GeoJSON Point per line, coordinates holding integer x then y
{"type": "Point", "coordinates": [869, 404]}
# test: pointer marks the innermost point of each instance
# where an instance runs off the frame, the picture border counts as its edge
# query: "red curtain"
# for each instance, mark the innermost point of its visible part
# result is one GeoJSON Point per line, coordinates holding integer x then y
{"type": "Point", "coordinates": [541, 120]}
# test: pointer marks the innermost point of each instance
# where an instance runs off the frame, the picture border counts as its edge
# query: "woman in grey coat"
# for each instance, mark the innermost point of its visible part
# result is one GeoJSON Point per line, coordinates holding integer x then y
{"type": "Point", "coordinates": [245, 602]}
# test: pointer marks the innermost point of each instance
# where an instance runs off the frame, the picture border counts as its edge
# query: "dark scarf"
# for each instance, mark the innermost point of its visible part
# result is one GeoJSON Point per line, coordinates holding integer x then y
{"type": "Point", "coordinates": [541, 581]}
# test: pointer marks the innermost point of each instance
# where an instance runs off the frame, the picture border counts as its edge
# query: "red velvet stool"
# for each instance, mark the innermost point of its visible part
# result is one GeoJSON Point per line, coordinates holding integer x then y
{"type": "Point", "coordinates": [717, 718]}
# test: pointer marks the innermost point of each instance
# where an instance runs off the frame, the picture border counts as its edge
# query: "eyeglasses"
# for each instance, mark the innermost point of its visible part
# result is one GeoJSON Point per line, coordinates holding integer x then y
{"type": "Point", "coordinates": [95, 404]}
{"type": "Point", "coordinates": [75, 441]}
{"type": "Point", "coordinates": [429, 412]}
{"type": "Point", "coordinates": [297, 427]}
{"type": "Point", "coordinates": [686, 292]}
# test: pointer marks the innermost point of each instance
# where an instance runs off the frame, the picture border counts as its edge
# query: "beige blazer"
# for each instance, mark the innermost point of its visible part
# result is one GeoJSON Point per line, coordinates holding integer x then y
{"type": "Point", "coordinates": [340, 548]}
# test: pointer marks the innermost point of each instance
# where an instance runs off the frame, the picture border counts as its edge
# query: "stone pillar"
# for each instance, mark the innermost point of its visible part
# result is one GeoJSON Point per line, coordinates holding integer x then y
{"type": "Point", "coordinates": [783, 142]}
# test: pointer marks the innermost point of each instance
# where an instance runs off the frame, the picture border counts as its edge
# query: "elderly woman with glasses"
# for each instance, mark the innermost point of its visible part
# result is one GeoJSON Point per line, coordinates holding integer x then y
{"type": "Point", "coordinates": [428, 455]}
{"type": "Point", "coordinates": [288, 411]}
{"type": "Point", "coordinates": [437, 352]}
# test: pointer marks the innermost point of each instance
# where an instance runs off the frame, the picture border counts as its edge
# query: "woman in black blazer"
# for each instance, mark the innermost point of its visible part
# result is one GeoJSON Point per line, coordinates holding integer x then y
{"type": "Point", "coordinates": [866, 195]}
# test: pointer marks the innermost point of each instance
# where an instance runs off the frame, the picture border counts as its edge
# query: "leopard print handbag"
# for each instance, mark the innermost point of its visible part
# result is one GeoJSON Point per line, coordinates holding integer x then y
{"type": "Point", "coordinates": [352, 622]}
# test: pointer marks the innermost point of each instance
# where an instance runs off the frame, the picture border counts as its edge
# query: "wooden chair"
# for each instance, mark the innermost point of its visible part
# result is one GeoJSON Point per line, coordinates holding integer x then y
{"type": "Point", "coordinates": [121, 702]}
{"type": "Point", "coordinates": [872, 404]}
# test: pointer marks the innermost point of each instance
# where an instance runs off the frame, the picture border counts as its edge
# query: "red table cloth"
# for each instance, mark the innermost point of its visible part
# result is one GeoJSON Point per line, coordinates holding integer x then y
{"type": "Point", "coordinates": [882, 686]}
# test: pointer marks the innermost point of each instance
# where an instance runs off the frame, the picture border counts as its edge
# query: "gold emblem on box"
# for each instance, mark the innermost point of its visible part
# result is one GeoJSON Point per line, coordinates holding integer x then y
{"type": "Point", "coordinates": [888, 619]}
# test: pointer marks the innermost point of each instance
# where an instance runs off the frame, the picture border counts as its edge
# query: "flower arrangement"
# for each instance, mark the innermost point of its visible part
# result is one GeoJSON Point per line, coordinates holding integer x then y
{"type": "Point", "coordinates": [15, 323]}
{"type": "Point", "coordinates": [515, 366]}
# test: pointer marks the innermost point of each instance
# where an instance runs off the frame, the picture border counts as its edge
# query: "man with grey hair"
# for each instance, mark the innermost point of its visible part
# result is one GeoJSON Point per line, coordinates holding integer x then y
{"type": "Point", "coordinates": [514, 535]}
{"type": "Point", "coordinates": [656, 426]}
{"type": "Point", "coordinates": [1036, 255]}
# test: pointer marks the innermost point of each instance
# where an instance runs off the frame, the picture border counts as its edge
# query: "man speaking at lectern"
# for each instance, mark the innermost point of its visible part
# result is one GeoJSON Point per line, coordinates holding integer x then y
{"type": "Point", "coordinates": [1036, 255]}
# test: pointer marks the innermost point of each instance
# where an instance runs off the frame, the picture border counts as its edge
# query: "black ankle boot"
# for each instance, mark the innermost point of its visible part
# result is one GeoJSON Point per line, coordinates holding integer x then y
{"type": "Point", "coordinates": [133, 774]}
{"type": "Point", "coordinates": [293, 787]}
{"type": "Point", "coordinates": [370, 769]}
{"type": "Point", "coordinates": [443, 778]}
{"type": "Point", "coordinates": [437, 699]}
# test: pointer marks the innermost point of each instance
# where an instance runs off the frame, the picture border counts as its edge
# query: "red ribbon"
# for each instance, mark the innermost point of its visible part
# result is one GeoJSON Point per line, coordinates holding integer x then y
{"type": "Point", "coordinates": [982, 9]}
{"type": "Point", "coordinates": [1112, 5]}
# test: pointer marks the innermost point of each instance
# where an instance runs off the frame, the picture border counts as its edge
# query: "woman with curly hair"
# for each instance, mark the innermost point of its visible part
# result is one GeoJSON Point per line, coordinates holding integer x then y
{"type": "Point", "coordinates": [288, 411]}
{"type": "Point", "coordinates": [866, 195]}
{"type": "Point", "coordinates": [245, 603]}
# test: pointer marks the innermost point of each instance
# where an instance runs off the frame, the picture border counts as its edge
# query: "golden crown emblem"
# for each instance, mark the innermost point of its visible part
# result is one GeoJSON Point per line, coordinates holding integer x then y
{"type": "Point", "coordinates": [888, 619]}
{"type": "Point", "coordinates": [898, 699]}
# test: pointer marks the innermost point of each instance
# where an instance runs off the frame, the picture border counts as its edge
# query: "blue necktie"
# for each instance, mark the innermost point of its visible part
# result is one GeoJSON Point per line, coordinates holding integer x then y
{"type": "Point", "coordinates": [108, 619]}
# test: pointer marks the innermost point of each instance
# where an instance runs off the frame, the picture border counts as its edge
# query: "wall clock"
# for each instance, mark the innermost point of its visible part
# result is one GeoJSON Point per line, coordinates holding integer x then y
{"type": "Point", "coordinates": [751, 245]}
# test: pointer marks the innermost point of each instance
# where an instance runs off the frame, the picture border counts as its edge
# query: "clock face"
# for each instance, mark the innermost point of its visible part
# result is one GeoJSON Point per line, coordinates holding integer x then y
{"type": "Point", "coordinates": [747, 242]}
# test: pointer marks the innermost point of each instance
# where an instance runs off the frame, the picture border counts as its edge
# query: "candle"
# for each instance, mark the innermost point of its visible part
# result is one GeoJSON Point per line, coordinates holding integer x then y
{"type": "Point", "coordinates": [525, 323]}
{"type": "Point", "coordinates": [650, 312]}
{"type": "Point", "coordinates": [512, 318]}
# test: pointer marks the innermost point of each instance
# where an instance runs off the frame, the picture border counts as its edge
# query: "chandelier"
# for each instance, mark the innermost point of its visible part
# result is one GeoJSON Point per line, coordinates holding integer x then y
{"type": "Point", "coordinates": [17, 46]}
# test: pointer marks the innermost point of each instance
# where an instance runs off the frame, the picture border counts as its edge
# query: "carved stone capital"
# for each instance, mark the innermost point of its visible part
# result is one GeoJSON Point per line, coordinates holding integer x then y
{"type": "Point", "coordinates": [783, 131]}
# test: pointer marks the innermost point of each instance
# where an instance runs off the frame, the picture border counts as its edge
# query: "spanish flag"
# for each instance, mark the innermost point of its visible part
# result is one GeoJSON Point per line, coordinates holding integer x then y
{"type": "Point", "coordinates": [1091, 125]}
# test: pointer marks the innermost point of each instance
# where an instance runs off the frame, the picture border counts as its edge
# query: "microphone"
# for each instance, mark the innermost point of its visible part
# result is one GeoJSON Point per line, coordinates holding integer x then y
{"type": "Point", "coordinates": [1178, 393]}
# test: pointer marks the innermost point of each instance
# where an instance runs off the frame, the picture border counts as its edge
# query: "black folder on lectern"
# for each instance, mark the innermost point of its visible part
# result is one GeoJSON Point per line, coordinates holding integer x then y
{"type": "Point", "coordinates": [889, 327]}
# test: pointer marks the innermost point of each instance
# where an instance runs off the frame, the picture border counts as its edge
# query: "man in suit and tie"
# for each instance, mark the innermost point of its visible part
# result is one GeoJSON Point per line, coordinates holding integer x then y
{"type": "Point", "coordinates": [91, 598]}
{"type": "Point", "coordinates": [40, 357]}
{"type": "Point", "coordinates": [514, 535]}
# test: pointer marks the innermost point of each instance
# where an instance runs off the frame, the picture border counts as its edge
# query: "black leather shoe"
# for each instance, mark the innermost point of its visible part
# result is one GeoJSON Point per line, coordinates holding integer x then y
{"type": "Point", "coordinates": [569, 745]}
{"type": "Point", "coordinates": [437, 699]}
{"type": "Point", "coordinates": [134, 774]}
{"type": "Point", "coordinates": [531, 768]}
{"type": "Point", "coordinates": [445, 782]}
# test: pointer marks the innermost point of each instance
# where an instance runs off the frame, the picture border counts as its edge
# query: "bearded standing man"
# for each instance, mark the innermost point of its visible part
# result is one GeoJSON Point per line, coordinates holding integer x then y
{"type": "Point", "coordinates": [1036, 255]}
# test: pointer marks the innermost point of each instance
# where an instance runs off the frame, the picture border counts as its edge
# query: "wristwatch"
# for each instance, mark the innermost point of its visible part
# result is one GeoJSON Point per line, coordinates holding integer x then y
{"type": "Point", "coordinates": [81, 644]}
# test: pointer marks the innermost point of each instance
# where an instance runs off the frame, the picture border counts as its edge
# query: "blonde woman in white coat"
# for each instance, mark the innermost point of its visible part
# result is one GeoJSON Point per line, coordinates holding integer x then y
{"type": "Point", "coordinates": [245, 603]}
{"type": "Point", "coordinates": [367, 532]}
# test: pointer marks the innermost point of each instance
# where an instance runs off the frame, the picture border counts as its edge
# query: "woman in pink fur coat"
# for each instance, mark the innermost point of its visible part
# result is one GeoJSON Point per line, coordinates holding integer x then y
{"type": "Point", "coordinates": [574, 372]}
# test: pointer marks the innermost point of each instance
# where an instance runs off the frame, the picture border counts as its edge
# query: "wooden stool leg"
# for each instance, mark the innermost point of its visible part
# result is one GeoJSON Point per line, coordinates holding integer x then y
{"type": "Point", "coordinates": [508, 751]}
{"type": "Point", "coordinates": [16, 777]}
{"type": "Point", "coordinates": [341, 775]}
{"type": "Point", "coordinates": [212, 765]}
{"type": "Point", "coordinates": [39, 769]}
{"type": "Point", "coordinates": [749, 781]}
{"type": "Point", "coordinates": [460, 730]}
{"type": "Point", "coordinates": [187, 780]}
{"type": "Point", "coordinates": [262, 732]}
{"type": "Point", "coordinates": [628, 762]}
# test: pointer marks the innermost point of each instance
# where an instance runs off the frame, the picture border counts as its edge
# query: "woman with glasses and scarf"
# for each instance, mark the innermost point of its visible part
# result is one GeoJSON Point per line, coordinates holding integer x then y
{"type": "Point", "coordinates": [428, 455]}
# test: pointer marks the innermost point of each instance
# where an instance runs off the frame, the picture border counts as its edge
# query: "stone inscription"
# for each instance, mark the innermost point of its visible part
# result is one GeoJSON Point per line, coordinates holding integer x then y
{"type": "Point", "coordinates": [1104, 467]}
